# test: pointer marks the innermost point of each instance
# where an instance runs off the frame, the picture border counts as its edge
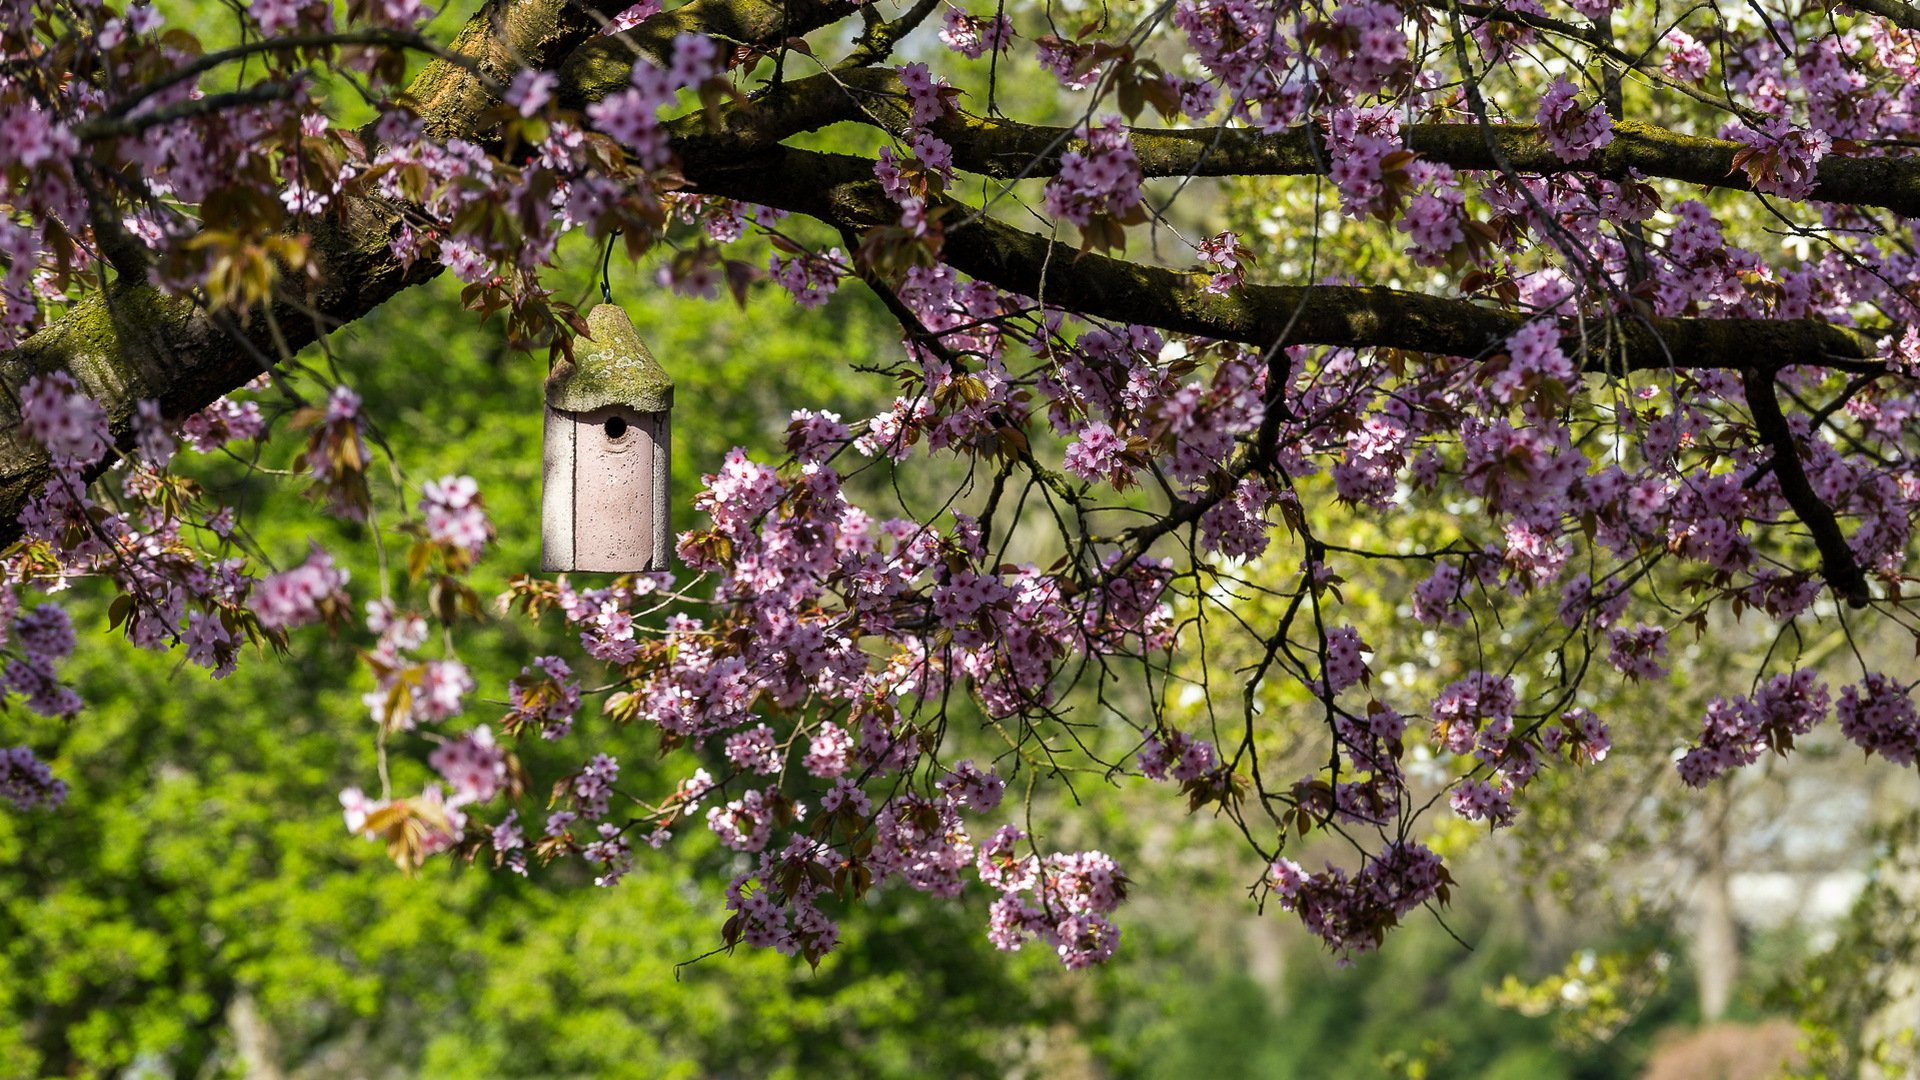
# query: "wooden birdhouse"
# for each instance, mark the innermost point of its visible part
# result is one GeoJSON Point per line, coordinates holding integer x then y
{"type": "Point", "coordinates": [605, 504]}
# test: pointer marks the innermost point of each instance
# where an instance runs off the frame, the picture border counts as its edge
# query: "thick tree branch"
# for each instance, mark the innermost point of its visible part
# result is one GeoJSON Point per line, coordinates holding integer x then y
{"type": "Point", "coordinates": [839, 190]}
{"type": "Point", "coordinates": [1900, 14]}
{"type": "Point", "coordinates": [1006, 150]}
{"type": "Point", "coordinates": [1837, 563]}
{"type": "Point", "coordinates": [116, 127]}
{"type": "Point", "coordinates": [393, 39]}
{"type": "Point", "coordinates": [877, 43]}
{"type": "Point", "coordinates": [133, 342]}
{"type": "Point", "coordinates": [604, 64]}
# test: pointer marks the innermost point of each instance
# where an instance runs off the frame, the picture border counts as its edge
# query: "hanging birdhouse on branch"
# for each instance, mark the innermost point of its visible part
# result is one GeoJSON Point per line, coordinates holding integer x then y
{"type": "Point", "coordinates": [605, 504]}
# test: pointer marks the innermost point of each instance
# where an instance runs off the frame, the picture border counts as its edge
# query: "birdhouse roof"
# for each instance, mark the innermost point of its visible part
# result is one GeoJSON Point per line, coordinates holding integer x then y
{"type": "Point", "coordinates": [611, 366]}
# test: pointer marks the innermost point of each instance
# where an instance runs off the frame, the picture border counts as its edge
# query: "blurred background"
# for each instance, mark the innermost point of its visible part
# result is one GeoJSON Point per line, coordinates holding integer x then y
{"type": "Point", "coordinates": [198, 909]}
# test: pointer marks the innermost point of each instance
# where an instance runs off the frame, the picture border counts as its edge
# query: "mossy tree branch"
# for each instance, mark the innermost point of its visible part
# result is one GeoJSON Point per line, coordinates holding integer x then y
{"type": "Point", "coordinates": [1005, 149]}
{"type": "Point", "coordinates": [840, 190]}
{"type": "Point", "coordinates": [1901, 14]}
{"type": "Point", "coordinates": [131, 342]}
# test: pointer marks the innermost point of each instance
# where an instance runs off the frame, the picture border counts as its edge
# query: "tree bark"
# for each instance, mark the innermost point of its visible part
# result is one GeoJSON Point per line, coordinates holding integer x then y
{"type": "Point", "coordinates": [132, 341]}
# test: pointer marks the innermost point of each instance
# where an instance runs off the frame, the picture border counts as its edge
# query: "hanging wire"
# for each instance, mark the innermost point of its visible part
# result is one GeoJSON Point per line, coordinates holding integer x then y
{"type": "Point", "coordinates": [606, 259]}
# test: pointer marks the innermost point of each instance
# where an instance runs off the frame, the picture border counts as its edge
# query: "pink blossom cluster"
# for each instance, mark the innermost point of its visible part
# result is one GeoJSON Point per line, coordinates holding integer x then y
{"type": "Point", "coordinates": [1637, 652]}
{"type": "Point", "coordinates": [531, 91]}
{"type": "Point", "coordinates": [1178, 755]}
{"type": "Point", "coordinates": [955, 407]}
{"type": "Point", "coordinates": [793, 923]}
{"type": "Point", "coordinates": [1530, 555]}
{"type": "Point", "coordinates": [1352, 914]}
{"type": "Point", "coordinates": [926, 94]}
{"type": "Point", "coordinates": [44, 637]}
{"type": "Point", "coordinates": [336, 454]}
{"type": "Point", "coordinates": [409, 693]}
{"type": "Point", "coordinates": [153, 435]}
{"type": "Point", "coordinates": [1781, 159]}
{"type": "Point", "coordinates": [1226, 252]}
{"type": "Point", "coordinates": [1359, 143]}
{"type": "Point", "coordinates": [974, 36]}
{"type": "Point", "coordinates": [973, 788]}
{"type": "Point", "coordinates": [592, 787]}
{"type": "Point", "coordinates": [1473, 712]}
{"type": "Point", "coordinates": [1581, 735]}
{"type": "Point", "coordinates": [816, 435]}
{"type": "Point", "coordinates": [1435, 215]}
{"type": "Point", "coordinates": [1346, 664]}
{"type": "Point", "coordinates": [632, 17]}
{"type": "Point", "coordinates": [1736, 732]}
{"type": "Point", "coordinates": [1250, 48]}
{"type": "Point", "coordinates": [743, 824]}
{"type": "Point", "coordinates": [473, 765]}
{"type": "Point", "coordinates": [754, 750]}
{"type": "Point", "coordinates": [454, 515]}
{"type": "Point", "coordinates": [632, 116]}
{"type": "Point", "coordinates": [1076, 64]}
{"type": "Point", "coordinates": [313, 591]}
{"type": "Point", "coordinates": [919, 841]}
{"type": "Point", "coordinates": [1437, 598]}
{"type": "Point", "coordinates": [1490, 801]}
{"type": "Point", "coordinates": [225, 421]}
{"type": "Point", "coordinates": [1062, 899]}
{"type": "Point", "coordinates": [545, 697]}
{"type": "Point", "coordinates": [1534, 361]}
{"type": "Point", "coordinates": [27, 782]}
{"type": "Point", "coordinates": [1573, 132]}
{"type": "Point", "coordinates": [1103, 179]}
{"type": "Point", "coordinates": [606, 616]}
{"type": "Point", "coordinates": [1372, 48]}
{"type": "Point", "coordinates": [1239, 526]}
{"type": "Point", "coordinates": [1097, 455]}
{"type": "Point", "coordinates": [71, 425]}
{"type": "Point", "coordinates": [437, 824]}
{"type": "Point", "coordinates": [1878, 715]}
{"type": "Point", "coordinates": [1684, 57]}
{"type": "Point", "coordinates": [811, 279]}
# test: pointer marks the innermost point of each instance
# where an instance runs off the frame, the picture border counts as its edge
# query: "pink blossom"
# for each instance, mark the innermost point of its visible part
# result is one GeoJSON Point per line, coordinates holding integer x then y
{"type": "Point", "coordinates": [1102, 179]}
{"type": "Point", "coordinates": [304, 594]}
{"type": "Point", "coordinates": [27, 782]}
{"type": "Point", "coordinates": [71, 425]}
{"type": "Point", "coordinates": [1572, 132]}
{"type": "Point", "coordinates": [1878, 715]}
{"type": "Point", "coordinates": [472, 765]}
{"type": "Point", "coordinates": [975, 36]}
{"type": "Point", "coordinates": [454, 517]}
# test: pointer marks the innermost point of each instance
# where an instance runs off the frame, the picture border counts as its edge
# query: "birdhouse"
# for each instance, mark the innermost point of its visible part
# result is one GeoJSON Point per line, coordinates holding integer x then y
{"type": "Point", "coordinates": [605, 503]}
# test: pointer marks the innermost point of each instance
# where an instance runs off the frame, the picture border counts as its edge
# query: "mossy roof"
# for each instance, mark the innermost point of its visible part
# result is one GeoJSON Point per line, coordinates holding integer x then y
{"type": "Point", "coordinates": [611, 366]}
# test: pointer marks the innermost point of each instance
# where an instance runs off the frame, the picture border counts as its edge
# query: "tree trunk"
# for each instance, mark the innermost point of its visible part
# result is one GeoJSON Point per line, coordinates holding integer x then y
{"type": "Point", "coordinates": [1716, 939]}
